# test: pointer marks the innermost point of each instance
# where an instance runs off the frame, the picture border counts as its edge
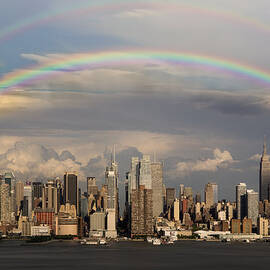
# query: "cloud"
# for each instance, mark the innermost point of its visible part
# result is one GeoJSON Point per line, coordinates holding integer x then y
{"type": "Point", "coordinates": [220, 160]}
{"type": "Point", "coordinates": [137, 13]}
{"type": "Point", "coordinates": [231, 103]}
{"type": "Point", "coordinates": [255, 157]}
{"type": "Point", "coordinates": [31, 161]}
{"type": "Point", "coordinates": [19, 102]}
{"type": "Point", "coordinates": [34, 161]}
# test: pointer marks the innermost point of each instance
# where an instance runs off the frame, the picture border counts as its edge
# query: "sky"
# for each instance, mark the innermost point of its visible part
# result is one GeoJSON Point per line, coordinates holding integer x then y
{"type": "Point", "coordinates": [205, 123]}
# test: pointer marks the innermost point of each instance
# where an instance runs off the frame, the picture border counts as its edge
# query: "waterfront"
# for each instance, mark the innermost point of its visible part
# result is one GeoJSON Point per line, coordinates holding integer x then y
{"type": "Point", "coordinates": [135, 255]}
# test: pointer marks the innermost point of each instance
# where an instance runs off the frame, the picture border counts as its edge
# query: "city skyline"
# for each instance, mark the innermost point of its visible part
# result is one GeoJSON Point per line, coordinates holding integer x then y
{"type": "Point", "coordinates": [134, 133]}
{"type": "Point", "coordinates": [197, 115]}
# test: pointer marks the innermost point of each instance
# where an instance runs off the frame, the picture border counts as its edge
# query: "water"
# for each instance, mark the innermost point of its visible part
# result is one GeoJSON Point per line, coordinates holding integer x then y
{"type": "Point", "coordinates": [135, 255]}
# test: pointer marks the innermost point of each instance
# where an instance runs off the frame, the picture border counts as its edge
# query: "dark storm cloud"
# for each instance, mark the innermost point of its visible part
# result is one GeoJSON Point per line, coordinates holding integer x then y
{"type": "Point", "coordinates": [227, 103]}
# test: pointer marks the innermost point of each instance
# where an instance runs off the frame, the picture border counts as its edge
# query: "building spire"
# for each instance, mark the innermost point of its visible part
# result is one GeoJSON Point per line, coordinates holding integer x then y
{"type": "Point", "coordinates": [264, 146]}
{"type": "Point", "coordinates": [114, 153]}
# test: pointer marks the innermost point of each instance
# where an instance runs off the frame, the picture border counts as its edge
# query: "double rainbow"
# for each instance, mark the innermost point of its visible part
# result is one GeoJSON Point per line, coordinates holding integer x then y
{"type": "Point", "coordinates": [118, 5]}
{"type": "Point", "coordinates": [117, 58]}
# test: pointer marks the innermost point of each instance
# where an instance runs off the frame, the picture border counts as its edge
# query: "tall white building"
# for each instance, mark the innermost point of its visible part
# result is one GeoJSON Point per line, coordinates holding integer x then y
{"type": "Point", "coordinates": [241, 190]}
{"type": "Point", "coordinates": [252, 206]}
{"type": "Point", "coordinates": [145, 178]}
{"type": "Point", "coordinates": [111, 180]}
{"type": "Point", "coordinates": [28, 198]}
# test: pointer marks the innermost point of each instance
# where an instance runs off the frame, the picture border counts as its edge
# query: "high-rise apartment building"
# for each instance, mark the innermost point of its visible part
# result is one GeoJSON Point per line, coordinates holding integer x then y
{"type": "Point", "coordinates": [264, 175]}
{"type": "Point", "coordinates": [5, 207]}
{"type": "Point", "coordinates": [157, 185]}
{"type": "Point", "coordinates": [211, 194]}
{"type": "Point", "coordinates": [142, 211]}
{"type": "Point", "coordinates": [146, 188]}
{"type": "Point", "coordinates": [241, 190]}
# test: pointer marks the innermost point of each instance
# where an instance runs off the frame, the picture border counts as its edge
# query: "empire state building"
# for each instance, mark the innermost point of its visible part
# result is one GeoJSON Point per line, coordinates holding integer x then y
{"type": "Point", "coordinates": [265, 175]}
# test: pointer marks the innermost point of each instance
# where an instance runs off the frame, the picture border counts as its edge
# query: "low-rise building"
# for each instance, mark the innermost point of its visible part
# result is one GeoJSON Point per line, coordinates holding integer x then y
{"type": "Point", "coordinates": [262, 226]}
{"type": "Point", "coordinates": [42, 230]}
{"type": "Point", "coordinates": [66, 222]}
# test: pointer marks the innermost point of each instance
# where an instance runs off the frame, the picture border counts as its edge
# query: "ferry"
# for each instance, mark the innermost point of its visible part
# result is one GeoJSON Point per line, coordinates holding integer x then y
{"type": "Point", "coordinates": [89, 242]}
{"type": "Point", "coordinates": [93, 242]}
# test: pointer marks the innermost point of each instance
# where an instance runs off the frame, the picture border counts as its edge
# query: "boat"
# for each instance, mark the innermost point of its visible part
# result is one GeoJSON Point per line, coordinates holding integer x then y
{"type": "Point", "coordinates": [149, 239]}
{"type": "Point", "coordinates": [93, 242]}
{"type": "Point", "coordinates": [169, 242]}
{"type": "Point", "coordinates": [102, 242]}
{"type": "Point", "coordinates": [156, 242]}
{"type": "Point", "coordinates": [89, 242]}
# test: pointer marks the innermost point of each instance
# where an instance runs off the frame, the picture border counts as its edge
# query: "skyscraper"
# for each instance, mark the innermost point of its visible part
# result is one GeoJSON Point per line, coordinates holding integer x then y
{"type": "Point", "coordinates": [9, 179]}
{"type": "Point", "coordinates": [37, 190]}
{"type": "Point", "coordinates": [198, 197]}
{"type": "Point", "coordinates": [188, 192]}
{"type": "Point", "coordinates": [181, 191]}
{"type": "Point", "coordinates": [19, 190]}
{"type": "Point", "coordinates": [71, 189]}
{"type": "Point", "coordinates": [5, 207]}
{"type": "Point", "coordinates": [51, 195]}
{"type": "Point", "coordinates": [142, 211]}
{"type": "Point", "coordinates": [241, 190]}
{"type": "Point", "coordinates": [170, 197]}
{"type": "Point", "coordinates": [134, 173]}
{"type": "Point", "coordinates": [145, 172]}
{"type": "Point", "coordinates": [264, 175]}
{"type": "Point", "coordinates": [28, 199]}
{"type": "Point", "coordinates": [111, 181]}
{"type": "Point", "coordinates": [92, 187]}
{"type": "Point", "coordinates": [142, 194]}
{"type": "Point", "coordinates": [211, 194]}
{"type": "Point", "coordinates": [157, 184]}
{"type": "Point", "coordinates": [252, 206]}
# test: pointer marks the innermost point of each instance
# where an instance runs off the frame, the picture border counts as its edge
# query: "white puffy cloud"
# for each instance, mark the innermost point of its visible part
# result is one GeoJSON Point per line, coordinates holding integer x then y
{"type": "Point", "coordinates": [33, 161]}
{"type": "Point", "coordinates": [220, 160]}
